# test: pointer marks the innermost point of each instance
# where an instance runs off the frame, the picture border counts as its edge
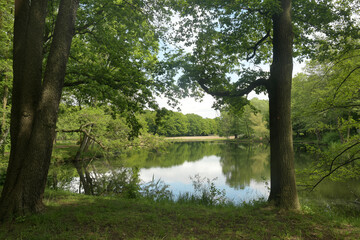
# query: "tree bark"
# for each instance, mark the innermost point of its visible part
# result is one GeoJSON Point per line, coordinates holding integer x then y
{"type": "Point", "coordinates": [283, 186]}
{"type": "Point", "coordinates": [35, 103]}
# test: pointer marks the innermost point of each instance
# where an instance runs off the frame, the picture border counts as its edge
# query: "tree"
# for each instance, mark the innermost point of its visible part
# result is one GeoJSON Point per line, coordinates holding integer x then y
{"type": "Point", "coordinates": [196, 125]}
{"type": "Point", "coordinates": [35, 101]}
{"type": "Point", "coordinates": [174, 124]}
{"type": "Point", "coordinates": [113, 59]}
{"type": "Point", "coordinates": [213, 79]}
{"type": "Point", "coordinates": [110, 65]}
{"type": "Point", "coordinates": [225, 35]}
{"type": "Point", "coordinates": [251, 121]}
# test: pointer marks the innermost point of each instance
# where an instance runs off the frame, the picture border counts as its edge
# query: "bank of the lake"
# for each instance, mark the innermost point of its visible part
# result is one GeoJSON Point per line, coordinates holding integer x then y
{"type": "Point", "coordinates": [197, 138]}
{"type": "Point", "coordinates": [74, 216]}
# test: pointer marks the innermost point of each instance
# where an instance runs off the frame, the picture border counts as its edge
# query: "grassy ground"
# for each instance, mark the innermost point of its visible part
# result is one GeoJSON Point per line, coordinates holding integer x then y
{"type": "Point", "coordinates": [70, 216]}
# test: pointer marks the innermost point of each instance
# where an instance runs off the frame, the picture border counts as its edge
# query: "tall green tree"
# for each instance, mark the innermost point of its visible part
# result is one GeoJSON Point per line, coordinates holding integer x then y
{"type": "Point", "coordinates": [114, 58]}
{"type": "Point", "coordinates": [35, 101]}
{"type": "Point", "coordinates": [251, 121]}
{"type": "Point", "coordinates": [112, 62]}
{"type": "Point", "coordinates": [225, 35]}
{"type": "Point", "coordinates": [174, 124]}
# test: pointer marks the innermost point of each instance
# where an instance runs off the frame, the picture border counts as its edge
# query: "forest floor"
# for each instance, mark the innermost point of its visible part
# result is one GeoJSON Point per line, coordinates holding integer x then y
{"type": "Point", "coordinates": [71, 216]}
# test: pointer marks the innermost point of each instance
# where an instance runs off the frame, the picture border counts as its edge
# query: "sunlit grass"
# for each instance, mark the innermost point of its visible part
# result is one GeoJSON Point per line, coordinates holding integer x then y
{"type": "Point", "coordinates": [72, 216]}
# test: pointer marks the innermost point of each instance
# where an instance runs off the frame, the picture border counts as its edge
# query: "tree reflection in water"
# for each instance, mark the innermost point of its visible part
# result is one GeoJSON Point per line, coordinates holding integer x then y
{"type": "Point", "coordinates": [240, 168]}
{"type": "Point", "coordinates": [243, 163]}
{"type": "Point", "coordinates": [238, 164]}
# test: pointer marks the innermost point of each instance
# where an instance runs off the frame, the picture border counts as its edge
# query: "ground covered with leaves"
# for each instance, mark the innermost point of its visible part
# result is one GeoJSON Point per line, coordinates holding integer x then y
{"type": "Point", "coordinates": [71, 216]}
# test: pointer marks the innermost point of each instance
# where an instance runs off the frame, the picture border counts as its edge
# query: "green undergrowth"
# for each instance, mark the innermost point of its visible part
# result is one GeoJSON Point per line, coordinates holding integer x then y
{"type": "Point", "coordinates": [71, 216]}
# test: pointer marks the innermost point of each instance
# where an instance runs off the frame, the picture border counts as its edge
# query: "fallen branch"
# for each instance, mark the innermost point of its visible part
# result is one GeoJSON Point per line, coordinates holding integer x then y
{"type": "Point", "coordinates": [86, 133]}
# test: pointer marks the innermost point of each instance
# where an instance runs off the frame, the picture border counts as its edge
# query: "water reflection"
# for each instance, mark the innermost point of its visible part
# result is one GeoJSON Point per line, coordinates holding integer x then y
{"type": "Point", "coordinates": [242, 164]}
{"type": "Point", "coordinates": [242, 170]}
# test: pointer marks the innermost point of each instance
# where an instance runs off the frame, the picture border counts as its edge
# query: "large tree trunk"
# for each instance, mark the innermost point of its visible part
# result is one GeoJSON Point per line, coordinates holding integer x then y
{"type": "Point", "coordinates": [283, 187]}
{"type": "Point", "coordinates": [35, 103]}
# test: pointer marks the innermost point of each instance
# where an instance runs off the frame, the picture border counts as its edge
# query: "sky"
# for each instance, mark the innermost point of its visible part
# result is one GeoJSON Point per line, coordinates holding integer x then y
{"type": "Point", "coordinates": [204, 108]}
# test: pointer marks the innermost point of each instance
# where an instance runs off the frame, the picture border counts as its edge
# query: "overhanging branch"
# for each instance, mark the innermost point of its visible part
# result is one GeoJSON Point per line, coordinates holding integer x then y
{"type": "Point", "coordinates": [74, 84]}
{"type": "Point", "coordinates": [234, 93]}
{"type": "Point", "coordinates": [332, 171]}
{"type": "Point", "coordinates": [346, 78]}
{"type": "Point", "coordinates": [348, 148]}
{"type": "Point", "coordinates": [86, 133]}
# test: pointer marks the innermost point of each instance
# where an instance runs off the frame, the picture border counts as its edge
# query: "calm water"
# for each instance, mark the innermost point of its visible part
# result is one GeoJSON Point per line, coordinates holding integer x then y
{"type": "Point", "coordinates": [242, 170]}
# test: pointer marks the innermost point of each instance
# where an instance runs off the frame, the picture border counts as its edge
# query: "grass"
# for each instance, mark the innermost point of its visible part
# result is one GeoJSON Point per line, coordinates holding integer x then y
{"type": "Point", "coordinates": [71, 216]}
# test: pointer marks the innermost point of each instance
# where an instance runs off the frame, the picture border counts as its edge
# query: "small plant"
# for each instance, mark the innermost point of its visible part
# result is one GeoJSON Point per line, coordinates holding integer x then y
{"type": "Point", "coordinates": [205, 192]}
{"type": "Point", "coordinates": [156, 190]}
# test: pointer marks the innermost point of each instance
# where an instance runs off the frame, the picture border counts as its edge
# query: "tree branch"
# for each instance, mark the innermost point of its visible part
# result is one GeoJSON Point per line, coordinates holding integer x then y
{"type": "Point", "coordinates": [331, 172]}
{"type": "Point", "coordinates": [95, 140]}
{"type": "Point", "coordinates": [235, 93]}
{"type": "Point", "coordinates": [79, 82]}
{"type": "Point", "coordinates": [255, 47]}
{"type": "Point", "coordinates": [74, 84]}
{"type": "Point", "coordinates": [348, 148]}
{"type": "Point", "coordinates": [86, 133]}
{"type": "Point", "coordinates": [339, 106]}
{"type": "Point", "coordinates": [358, 67]}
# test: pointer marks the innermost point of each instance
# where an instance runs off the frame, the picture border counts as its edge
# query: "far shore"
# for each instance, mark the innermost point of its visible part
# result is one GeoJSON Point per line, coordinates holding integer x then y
{"type": "Point", "coordinates": [197, 138]}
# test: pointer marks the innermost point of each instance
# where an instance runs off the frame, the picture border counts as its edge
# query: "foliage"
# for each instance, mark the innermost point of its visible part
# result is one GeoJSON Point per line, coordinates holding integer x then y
{"type": "Point", "coordinates": [340, 162]}
{"type": "Point", "coordinates": [125, 183]}
{"type": "Point", "coordinates": [156, 190]}
{"type": "Point", "coordinates": [104, 129]}
{"type": "Point", "coordinates": [6, 33]}
{"type": "Point", "coordinates": [330, 137]}
{"type": "Point", "coordinates": [326, 97]}
{"type": "Point", "coordinates": [227, 44]}
{"type": "Point", "coordinates": [250, 122]}
{"type": "Point", "coordinates": [326, 103]}
{"type": "Point", "coordinates": [6, 74]}
{"type": "Point", "coordinates": [205, 193]}
{"type": "Point", "coordinates": [172, 124]}
{"type": "Point", "coordinates": [114, 58]}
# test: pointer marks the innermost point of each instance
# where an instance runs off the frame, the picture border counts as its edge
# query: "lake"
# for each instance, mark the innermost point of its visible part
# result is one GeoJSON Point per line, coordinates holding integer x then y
{"type": "Point", "coordinates": [242, 170]}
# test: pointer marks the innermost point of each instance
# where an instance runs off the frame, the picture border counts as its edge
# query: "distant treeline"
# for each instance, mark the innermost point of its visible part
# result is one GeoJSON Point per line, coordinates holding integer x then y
{"type": "Point", "coordinates": [249, 122]}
